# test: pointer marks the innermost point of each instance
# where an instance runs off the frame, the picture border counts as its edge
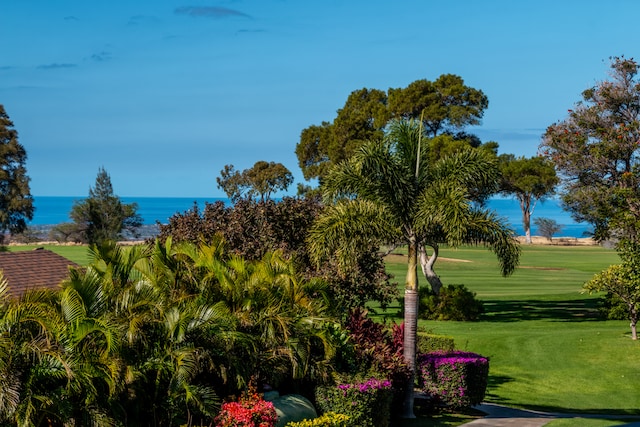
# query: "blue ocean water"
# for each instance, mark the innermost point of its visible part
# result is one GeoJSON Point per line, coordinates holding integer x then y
{"type": "Point", "coordinates": [55, 210]}
{"type": "Point", "coordinates": [551, 208]}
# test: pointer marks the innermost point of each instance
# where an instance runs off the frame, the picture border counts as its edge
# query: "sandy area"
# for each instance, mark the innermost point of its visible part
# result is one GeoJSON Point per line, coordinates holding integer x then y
{"type": "Point", "coordinates": [560, 241]}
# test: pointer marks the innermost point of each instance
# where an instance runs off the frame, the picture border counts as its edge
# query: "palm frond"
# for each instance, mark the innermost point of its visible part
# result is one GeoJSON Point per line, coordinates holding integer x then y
{"type": "Point", "coordinates": [347, 225]}
{"type": "Point", "coordinates": [487, 229]}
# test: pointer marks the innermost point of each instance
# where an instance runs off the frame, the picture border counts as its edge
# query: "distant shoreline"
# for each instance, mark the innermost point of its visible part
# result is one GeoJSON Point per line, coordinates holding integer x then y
{"type": "Point", "coordinates": [39, 234]}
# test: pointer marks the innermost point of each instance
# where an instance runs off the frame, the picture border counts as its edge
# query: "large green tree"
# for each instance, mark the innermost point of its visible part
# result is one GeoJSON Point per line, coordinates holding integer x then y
{"type": "Point", "coordinates": [445, 105]}
{"type": "Point", "coordinates": [16, 203]}
{"type": "Point", "coordinates": [389, 192]}
{"type": "Point", "coordinates": [103, 216]}
{"type": "Point", "coordinates": [259, 181]}
{"type": "Point", "coordinates": [529, 180]}
{"type": "Point", "coordinates": [596, 151]}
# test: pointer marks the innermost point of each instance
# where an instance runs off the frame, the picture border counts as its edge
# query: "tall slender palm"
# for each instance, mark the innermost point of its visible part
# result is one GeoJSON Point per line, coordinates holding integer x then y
{"type": "Point", "coordinates": [390, 192]}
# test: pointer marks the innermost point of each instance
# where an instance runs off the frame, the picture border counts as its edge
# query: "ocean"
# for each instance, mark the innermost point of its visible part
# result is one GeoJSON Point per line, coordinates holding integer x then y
{"type": "Point", "coordinates": [55, 210]}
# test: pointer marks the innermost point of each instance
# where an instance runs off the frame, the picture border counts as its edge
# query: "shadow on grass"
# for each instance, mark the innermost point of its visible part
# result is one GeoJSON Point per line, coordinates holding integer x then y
{"type": "Point", "coordinates": [439, 417]}
{"type": "Point", "coordinates": [560, 311]}
{"type": "Point", "coordinates": [493, 382]}
{"type": "Point", "coordinates": [632, 413]}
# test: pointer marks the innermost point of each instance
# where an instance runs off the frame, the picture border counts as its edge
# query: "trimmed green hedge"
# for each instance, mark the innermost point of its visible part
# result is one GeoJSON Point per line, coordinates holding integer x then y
{"type": "Point", "coordinates": [428, 343]}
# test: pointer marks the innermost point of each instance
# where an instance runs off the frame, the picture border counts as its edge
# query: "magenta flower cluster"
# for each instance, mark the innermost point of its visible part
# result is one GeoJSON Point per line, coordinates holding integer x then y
{"type": "Point", "coordinates": [453, 358]}
{"type": "Point", "coordinates": [455, 378]}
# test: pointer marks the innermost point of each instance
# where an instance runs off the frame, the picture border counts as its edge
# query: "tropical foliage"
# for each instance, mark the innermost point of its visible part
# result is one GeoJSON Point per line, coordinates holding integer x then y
{"type": "Point", "coordinates": [252, 229]}
{"type": "Point", "coordinates": [158, 335]}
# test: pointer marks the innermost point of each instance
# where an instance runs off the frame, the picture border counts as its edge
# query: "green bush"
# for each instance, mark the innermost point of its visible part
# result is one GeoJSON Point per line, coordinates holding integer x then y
{"type": "Point", "coordinates": [428, 343]}
{"type": "Point", "coordinates": [455, 302]}
{"type": "Point", "coordinates": [367, 404]}
{"type": "Point", "coordinates": [329, 419]}
{"type": "Point", "coordinates": [457, 379]}
{"type": "Point", "coordinates": [613, 308]}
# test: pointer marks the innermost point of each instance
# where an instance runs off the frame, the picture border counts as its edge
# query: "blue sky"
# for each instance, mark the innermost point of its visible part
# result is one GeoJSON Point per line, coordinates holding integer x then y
{"type": "Point", "coordinates": [164, 93]}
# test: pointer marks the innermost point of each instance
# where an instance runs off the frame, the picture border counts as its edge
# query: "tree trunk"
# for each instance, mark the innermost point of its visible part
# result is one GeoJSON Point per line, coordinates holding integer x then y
{"type": "Point", "coordinates": [427, 268]}
{"type": "Point", "coordinates": [633, 316]}
{"type": "Point", "coordinates": [525, 206]}
{"type": "Point", "coordinates": [410, 325]}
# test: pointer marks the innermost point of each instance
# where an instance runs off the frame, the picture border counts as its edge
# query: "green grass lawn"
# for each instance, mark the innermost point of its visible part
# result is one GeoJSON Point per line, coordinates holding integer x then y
{"type": "Point", "coordinates": [76, 253]}
{"type": "Point", "coordinates": [548, 349]}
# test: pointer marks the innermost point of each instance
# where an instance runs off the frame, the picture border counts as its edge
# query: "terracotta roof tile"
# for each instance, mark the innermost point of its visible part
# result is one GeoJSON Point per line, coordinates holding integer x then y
{"type": "Point", "coordinates": [39, 268]}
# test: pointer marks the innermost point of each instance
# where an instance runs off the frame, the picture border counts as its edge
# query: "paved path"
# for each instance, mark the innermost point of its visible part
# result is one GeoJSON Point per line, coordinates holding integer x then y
{"type": "Point", "coordinates": [502, 416]}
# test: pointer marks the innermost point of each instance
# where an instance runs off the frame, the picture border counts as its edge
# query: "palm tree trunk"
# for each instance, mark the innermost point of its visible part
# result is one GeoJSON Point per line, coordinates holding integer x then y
{"type": "Point", "coordinates": [410, 324]}
{"type": "Point", "coordinates": [427, 264]}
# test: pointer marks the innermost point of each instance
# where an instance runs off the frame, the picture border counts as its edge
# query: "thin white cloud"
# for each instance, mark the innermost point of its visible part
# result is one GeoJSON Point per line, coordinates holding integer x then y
{"type": "Point", "coordinates": [101, 56]}
{"type": "Point", "coordinates": [141, 20]}
{"type": "Point", "coordinates": [213, 12]}
{"type": "Point", "coordinates": [55, 66]}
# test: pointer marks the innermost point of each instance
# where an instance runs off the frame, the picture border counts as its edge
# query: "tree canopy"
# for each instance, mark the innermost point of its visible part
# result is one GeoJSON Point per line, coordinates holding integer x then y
{"type": "Point", "coordinates": [596, 152]}
{"type": "Point", "coordinates": [16, 203]}
{"type": "Point", "coordinates": [102, 216]}
{"type": "Point", "coordinates": [259, 181]}
{"type": "Point", "coordinates": [445, 105]}
{"type": "Point", "coordinates": [529, 180]}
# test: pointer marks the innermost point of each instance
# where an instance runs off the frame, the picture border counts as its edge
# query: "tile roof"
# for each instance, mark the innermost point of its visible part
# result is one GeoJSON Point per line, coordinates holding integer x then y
{"type": "Point", "coordinates": [39, 268]}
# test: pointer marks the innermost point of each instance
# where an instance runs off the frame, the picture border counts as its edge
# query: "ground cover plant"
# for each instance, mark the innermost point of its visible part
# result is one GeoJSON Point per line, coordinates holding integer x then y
{"type": "Point", "coordinates": [548, 347]}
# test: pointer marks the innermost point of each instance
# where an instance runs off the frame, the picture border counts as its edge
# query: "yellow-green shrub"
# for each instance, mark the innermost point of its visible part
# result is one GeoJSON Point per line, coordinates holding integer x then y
{"type": "Point", "coordinates": [329, 419]}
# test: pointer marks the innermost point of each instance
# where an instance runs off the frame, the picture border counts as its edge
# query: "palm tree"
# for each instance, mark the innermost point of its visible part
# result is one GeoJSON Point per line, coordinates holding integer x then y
{"type": "Point", "coordinates": [390, 192]}
{"type": "Point", "coordinates": [34, 371]}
